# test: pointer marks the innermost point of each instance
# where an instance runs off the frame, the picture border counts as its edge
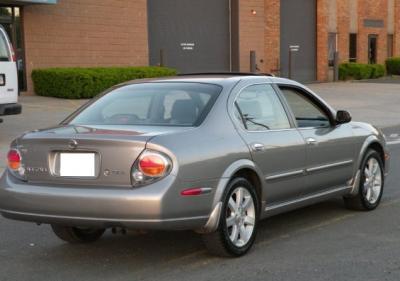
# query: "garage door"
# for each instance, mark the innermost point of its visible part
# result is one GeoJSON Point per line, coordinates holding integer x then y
{"type": "Point", "coordinates": [298, 28]}
{"type": "Point", "coordinates": [193, 34]}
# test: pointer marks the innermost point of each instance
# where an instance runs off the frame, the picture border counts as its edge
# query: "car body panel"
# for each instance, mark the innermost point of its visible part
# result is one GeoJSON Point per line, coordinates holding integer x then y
{"type": "Point", "coordinates": [207, 156]}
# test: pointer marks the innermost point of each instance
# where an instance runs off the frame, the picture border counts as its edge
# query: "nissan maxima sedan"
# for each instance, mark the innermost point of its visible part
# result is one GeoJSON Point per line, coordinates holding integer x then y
{"type": "Point", "coordinates": [210, 153]}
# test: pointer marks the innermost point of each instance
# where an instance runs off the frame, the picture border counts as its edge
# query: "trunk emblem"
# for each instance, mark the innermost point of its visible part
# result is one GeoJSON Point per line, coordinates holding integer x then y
{"type": "Point", "coordinates": [73, 144]}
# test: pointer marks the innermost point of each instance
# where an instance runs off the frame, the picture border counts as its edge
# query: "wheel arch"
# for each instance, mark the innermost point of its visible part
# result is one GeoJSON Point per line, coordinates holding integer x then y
{"type": "Point", "coordinates": [243, 168]}
{"type": "Point", "coordinates": [372, 142]}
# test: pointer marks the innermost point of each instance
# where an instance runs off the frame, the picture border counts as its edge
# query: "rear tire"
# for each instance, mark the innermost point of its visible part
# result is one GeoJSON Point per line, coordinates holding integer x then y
{"type": "Point", "coordinates": [371, 184]}
{"type": "Point", "coordinates": [238, 221]}
{"type": "Point", "coordinates": [77, 235]}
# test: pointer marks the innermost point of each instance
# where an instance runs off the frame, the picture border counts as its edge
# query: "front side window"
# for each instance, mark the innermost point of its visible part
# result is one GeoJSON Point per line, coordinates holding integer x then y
{"type": "Point", "coordinates": [152, 104]}
{"type": "Point", "coordinates": [258, 108]}
{"type": "Point", "coordinates": [306, 112]}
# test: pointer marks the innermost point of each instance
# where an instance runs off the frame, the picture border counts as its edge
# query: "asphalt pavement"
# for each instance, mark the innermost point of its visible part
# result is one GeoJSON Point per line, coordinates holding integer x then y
{"type": "Point", "coordinates": [320, 242]}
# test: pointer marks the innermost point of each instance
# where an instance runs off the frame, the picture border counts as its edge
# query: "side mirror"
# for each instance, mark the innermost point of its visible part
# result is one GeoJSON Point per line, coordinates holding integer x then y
{"type": "Point", "coordinates": [342, 117]}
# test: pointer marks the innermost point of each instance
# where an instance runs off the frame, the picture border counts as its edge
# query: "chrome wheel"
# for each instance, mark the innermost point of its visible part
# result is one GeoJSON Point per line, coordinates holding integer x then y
{"type": "Point", "coordinates": [240, 216]}
{"type": "Point", "coordinates": [372, 187]}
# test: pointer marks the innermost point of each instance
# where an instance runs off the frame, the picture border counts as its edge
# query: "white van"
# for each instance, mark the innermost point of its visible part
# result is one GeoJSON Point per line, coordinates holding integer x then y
{"type": "Point", "coordinates": [8, 77]}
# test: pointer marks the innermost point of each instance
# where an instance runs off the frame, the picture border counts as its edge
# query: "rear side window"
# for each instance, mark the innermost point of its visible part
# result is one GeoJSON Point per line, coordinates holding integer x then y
{"type": "Point", "coordinates": [4, 50]}
{"type": "Point", "coordinates": [152, 104]}
{"type": "Point", "coordinates": [260, 109]}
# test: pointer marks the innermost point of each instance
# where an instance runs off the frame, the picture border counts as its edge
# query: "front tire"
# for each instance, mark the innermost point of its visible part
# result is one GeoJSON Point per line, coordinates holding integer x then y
{"type": "Point", "coordinates": [238, 222]}
{"type": "Point", "coordinates": [371, 185]}
{"type": "Point", "coordinates": [75, 235]}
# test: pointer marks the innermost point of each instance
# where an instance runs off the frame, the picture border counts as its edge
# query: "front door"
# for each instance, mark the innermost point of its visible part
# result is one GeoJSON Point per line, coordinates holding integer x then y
{"type": "Point", "coordinates": [330, 148]}
{"type": "Point", "coordinates": [276, 146]}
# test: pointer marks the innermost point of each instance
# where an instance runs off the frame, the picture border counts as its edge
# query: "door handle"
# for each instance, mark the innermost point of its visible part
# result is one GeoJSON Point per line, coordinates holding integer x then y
{"type": "Point", "coordinates": [257, 147]}
{"type": "Point", "coordinates": [311, 141]}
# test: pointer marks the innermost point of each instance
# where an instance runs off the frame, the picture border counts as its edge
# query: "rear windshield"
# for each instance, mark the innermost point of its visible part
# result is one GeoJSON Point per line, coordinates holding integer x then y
{"type": "Point", "coordinates": [152, 104]}
{"type": "Point", "coordinates": [4, 51]}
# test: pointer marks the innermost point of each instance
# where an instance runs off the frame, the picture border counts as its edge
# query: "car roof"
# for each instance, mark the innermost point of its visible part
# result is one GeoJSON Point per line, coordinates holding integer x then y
{"type": "Point", "coordinates": [221, 78]}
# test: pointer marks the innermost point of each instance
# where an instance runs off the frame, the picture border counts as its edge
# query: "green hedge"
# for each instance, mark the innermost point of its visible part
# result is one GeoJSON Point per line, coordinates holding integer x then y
{"type": "Point", "coordinates": [360, 71]}
{"type": "Point", "coordinates": [393, 66]}
{"type": "Point", "coordinates": [83, 83]}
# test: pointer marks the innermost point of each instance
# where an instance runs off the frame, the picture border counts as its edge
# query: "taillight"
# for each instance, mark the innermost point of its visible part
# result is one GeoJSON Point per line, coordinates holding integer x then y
{"type": "Point", "coordinates": [150, 166]}
{"type": "Point", "coordinates": [14, 159]}
{"type": "Point", "coordinates": [153, 165]}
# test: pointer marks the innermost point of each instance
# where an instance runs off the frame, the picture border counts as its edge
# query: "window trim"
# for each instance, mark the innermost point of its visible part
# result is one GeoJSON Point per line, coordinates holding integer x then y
{"type": "Point", "coordinates": [311, 97]}
{"type": "Point", "coordinates": [243, 126]}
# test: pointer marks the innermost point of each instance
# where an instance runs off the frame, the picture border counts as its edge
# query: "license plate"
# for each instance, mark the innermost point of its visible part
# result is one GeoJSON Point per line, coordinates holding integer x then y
{"type": "Point", "coordinates": [77, 164]}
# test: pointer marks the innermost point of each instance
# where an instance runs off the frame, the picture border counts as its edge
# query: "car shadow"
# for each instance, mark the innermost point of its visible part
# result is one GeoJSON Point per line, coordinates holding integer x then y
{"type": "Point", "coordinates": [144, 251]}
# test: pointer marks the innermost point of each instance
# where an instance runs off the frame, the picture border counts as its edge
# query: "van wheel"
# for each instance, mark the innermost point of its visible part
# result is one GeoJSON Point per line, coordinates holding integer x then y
{"type": "Point", "coordinates": [238, 221]}
{"type": "Point", "coordinates": [77, 234]}
{"type": "Point", "coordinates": [371, 184]}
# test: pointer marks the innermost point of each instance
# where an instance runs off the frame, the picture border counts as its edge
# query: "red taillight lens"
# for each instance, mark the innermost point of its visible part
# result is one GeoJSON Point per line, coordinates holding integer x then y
{"type": "Point", "coordinates": [153, 165]}
{"type": "Point", "coordinates": [14, 159]}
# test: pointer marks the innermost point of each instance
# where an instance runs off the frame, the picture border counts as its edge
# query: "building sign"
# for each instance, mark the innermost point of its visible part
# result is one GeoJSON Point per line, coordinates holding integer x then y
{"type": "Point", "coordinates": [373, 23]}
{"type": "Point", "coordinates": [188, 46]}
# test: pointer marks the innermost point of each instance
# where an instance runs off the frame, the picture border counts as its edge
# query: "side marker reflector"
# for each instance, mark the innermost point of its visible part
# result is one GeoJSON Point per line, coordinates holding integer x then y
{"type": "Point", "coordinates": [196, 191]}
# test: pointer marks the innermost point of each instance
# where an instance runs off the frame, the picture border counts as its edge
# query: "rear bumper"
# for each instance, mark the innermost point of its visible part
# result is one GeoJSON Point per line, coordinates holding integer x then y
{"type": "Point", "coordinates": [142, 208]}
{"type": "Point", "coordinates": [10, 109]}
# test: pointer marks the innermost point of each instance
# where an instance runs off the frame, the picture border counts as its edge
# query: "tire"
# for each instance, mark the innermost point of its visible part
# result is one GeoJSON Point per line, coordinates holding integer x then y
{"type": "Point", "coordinates": [75, 235]}
{"type": "Point", "coordinates": [369, 193]}
{"type": "Point", "coordinates": [241, 225]}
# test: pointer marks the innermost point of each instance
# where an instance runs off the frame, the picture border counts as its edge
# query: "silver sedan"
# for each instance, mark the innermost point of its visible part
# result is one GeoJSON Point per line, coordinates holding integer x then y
{"type": "Point", "coordinates": [210, 153]}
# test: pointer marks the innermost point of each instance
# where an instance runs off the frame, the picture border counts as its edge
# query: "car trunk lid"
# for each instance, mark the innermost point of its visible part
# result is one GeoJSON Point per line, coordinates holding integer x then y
{"type": "Point", "coordinates": [104, 154]}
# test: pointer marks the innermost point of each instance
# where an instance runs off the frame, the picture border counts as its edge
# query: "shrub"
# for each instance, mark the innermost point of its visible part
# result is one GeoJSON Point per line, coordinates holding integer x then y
{"type": "Point", "coordinates": [83, 83]}
{"type": "Point", "coordinates": [360, 71]}
{"type": "Point", "coordinates": [378, 70]}
{"type": "Point", "coordinates": [393, 66]}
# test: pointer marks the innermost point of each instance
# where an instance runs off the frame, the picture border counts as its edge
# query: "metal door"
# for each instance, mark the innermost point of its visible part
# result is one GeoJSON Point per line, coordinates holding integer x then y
{"type": "Point", "coordinates": [192, 35]}
{"type": "Point", "coordinates": [298, 30]}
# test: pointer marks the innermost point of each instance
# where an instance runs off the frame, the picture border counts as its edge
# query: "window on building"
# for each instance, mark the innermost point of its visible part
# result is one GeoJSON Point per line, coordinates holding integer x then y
{"type": "Point", "coordinates": [372, 48]}
{"type": "Point", "coordinates": [332, 47]}
{"type": "Point", "coordinates": [353, 47]}
{"type": "Point", "coordinates": [390, 45]}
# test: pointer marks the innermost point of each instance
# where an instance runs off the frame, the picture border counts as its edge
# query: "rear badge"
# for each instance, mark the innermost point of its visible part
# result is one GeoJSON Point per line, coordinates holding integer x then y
{"type": "Point", "coordinates": [73, 144]}
{"type": "Point", "coordinates": [108, 172]}
{"type": "Point", "coordinates": [36, 170]}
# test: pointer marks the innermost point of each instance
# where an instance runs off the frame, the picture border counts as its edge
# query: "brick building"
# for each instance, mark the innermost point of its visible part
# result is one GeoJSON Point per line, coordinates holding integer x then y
{"type": "Point", "coordinates": [206, 35]}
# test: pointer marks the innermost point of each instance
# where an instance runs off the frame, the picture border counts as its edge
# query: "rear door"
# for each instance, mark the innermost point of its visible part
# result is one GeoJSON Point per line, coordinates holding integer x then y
{"type": "Point", "coordinates": [330, 147]}
{"type": "Point", "coordinates": [8, 71]}
{"type": "Point", "coordinates": [276, 146]}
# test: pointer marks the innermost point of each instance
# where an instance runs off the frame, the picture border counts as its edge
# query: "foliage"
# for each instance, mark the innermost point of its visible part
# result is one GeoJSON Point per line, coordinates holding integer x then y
{"type": "Point", "coordinates": [84, 83]}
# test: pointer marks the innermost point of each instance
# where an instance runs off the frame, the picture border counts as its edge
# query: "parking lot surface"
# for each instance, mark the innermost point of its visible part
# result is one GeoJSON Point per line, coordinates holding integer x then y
{"type": "Point", "coordinates": [321, 242]}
